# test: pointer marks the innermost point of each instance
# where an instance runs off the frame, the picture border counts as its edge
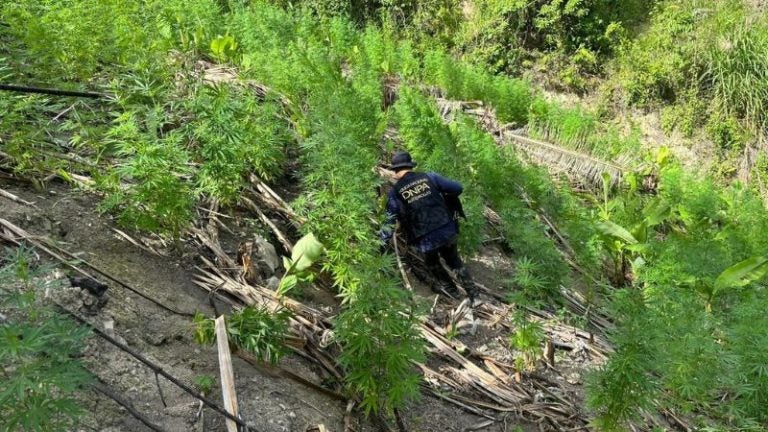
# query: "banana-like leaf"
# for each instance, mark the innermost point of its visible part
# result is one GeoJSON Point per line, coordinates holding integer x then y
{"type": "Point", "coordinates": [306, 251]}
{"type": "Point", "coordinates": [615, 230]}
{"type": "Point", "coordinates": [656, 212]}
{"type": "Point", "coordinates": [743, 273]}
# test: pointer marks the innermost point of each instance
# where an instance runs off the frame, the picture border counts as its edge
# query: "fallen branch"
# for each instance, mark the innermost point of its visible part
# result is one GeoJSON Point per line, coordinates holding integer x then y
{"type": "Point", "coordinates": [12, 232]}
{"type": "Point", "coordinates": [583, 165]}
{"type": "Point", "coordinates": [400, 266]}
{"type": "Point", "coordinates": [102, 388]}
{"type": "Point", "coordinates": [16, 199]}
{"type": "Point", "coordinates": [461, 405]}
{"type": "Point", "coordinates": [135, 242]}
{"type": "Point", "coordinates": [279, 234]}
{"type": "Point", "coordinates": [52, 92]}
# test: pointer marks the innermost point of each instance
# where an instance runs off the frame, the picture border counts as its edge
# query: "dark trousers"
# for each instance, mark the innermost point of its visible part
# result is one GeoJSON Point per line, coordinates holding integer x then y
{"type": "Point", "coordinates": [450, 253]}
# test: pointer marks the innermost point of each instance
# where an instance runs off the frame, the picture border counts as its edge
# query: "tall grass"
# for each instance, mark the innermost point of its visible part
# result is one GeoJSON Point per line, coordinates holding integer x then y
{"type": "Point", "coordinates": [736, 67]}
{"type": "Point", "coordinates": [581, 129]}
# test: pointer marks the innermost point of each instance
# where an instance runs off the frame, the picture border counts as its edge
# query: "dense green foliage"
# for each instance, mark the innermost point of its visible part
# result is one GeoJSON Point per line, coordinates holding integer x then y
{"type": "Point", "coordinates": [705, 68]}
{"type": "Point", "coordinates": [348, 82]}
{"type": "Point", "coordinates": [499, 179]}
{"type": "Point", "coordinates": [38, 352]}
{"type": "Point", "coordinates": [686, 315]}
{"type": "Point", "coordinates": [582, 130]}
{"type": "Point", "coordinates": [570, 36]}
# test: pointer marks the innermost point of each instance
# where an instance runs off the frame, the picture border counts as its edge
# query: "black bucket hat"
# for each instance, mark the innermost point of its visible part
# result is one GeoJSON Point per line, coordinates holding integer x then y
{"type": "Point", "coordinates": [401, 160]}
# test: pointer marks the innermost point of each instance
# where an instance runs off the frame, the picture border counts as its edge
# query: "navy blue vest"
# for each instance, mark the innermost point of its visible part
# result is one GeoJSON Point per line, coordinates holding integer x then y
{"type": "Point", "coordinates": [424, 208]}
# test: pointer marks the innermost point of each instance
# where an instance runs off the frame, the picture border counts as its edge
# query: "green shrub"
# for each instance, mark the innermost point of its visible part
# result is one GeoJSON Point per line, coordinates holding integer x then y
{"type": "Point", "coordinates": [712, 56]}
{"type": "Point", "coordinates": [234, 134]}
{"type": "Point", "coordinates": [736, 67]}
{"type": "Point", "coordinates": [581, 130]}
{"type": "Point", "coordinates": [79, 39]}
{"type": "Point", "coordinates": [151, 189]}
{"type": "Point", "coordinates": [685, 319]}
{"type": "Point", "coordinates": [38, 353]}
{"type": "Point", "coordinates": [254, 329]}
{"type": "Point", "coordinates": [726, 133]}
{"type": "Point", "coordinates": [656, 65]}
{"type": "Point", "coordinates": [686, 116]}
{"type": "Point", "coordinates": [624, 385]}
{"type": "Point", "coordinates": [571, 32]}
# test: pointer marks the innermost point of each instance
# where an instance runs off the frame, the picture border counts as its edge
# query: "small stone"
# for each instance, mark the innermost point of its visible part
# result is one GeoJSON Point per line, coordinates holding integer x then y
{"type": "Point", "coordinates": [292, 414]}
{"type": "Point", "coordinates": [282, 407]}
{"type": "Point", "coordinates": [273, 283]}
{"type": "Point", "coordinates": [109, 327]}
{"type": "Point", "coordinates": [155, 339]}
{"type": "Point", "coordinates": [88, 300]}
{"type": "Point", "coordinates": [267, 253]}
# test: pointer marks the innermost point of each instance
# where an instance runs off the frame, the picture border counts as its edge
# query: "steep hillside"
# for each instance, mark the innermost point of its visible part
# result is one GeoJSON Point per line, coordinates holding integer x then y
{"type": "Point", "coordinates": [616, 274]}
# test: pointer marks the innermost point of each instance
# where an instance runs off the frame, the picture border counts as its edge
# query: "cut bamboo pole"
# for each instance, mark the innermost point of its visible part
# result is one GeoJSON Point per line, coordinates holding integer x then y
{"type": "Point", "coordinates": [227, 375]}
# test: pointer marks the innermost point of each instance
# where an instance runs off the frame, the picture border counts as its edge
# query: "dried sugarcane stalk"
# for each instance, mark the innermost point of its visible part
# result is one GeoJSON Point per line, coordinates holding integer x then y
{"type": "Point", "coordinates": [16, 199]}
{"type": "Point", "coordinates": [279, 234]}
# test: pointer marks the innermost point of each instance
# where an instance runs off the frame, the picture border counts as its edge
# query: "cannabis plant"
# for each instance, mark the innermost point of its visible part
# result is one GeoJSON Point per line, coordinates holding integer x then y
{"type": "Point", "coordinates": [380, 340]}
{"type": "Point", "coordinates": [39, 350]}
{"type": "Point", "coordinates": [255, 329]}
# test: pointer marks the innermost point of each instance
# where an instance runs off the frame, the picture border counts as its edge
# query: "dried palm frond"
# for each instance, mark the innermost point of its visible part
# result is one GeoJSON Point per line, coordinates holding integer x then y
{"type": "Point", "coordinates": [587, 167]}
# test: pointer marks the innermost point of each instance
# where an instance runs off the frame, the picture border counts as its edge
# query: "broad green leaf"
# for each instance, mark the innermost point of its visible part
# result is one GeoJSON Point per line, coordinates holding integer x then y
{"type": "Point", "coordinates": [638, 248]}
{"type": "Point", "coordinates": [656, 212]}
{"type": "Point", "coordinates": [306, 251]}
{"type": "Point", "coordinates": [662, 156]}
{"type": "Point", "coordinates": [287, 263]}
{"type": "Point", "coordinates": [640, 232]}
{"type": "Point", "coordinates": [615, 230]}
{"type": "Point", "coordinates": [743, 273]}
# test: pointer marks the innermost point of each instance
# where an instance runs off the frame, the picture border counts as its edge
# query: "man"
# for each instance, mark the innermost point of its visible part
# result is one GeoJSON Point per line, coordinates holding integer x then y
{"type": "Point", "coordinates": [418, 202]}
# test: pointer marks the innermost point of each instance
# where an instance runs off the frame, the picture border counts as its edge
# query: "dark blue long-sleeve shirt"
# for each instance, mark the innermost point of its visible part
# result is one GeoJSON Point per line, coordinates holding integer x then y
{"type": "Point", "coordinates": [436, 238]}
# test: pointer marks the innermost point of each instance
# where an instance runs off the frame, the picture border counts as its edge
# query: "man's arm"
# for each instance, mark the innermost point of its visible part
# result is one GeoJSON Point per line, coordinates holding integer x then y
{"type": "Point", "coordinates": [446, 185]}
{"type": "Point", "coordinates": [390, 218]}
